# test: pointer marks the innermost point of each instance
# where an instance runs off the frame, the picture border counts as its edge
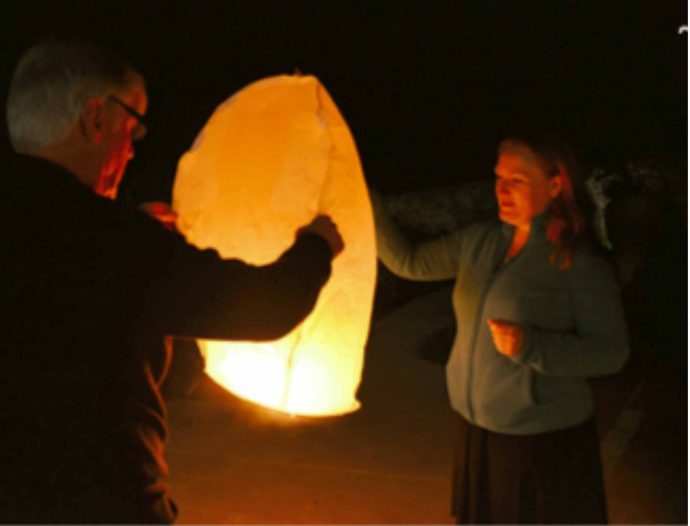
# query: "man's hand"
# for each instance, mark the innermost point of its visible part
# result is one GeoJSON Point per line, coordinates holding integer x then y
{"type": "Point", "coordinates": [160, 211]}
{"type": "Point", "coordinates": [508, 337]}
{"type": "Point", "coordinates": [323, 226]}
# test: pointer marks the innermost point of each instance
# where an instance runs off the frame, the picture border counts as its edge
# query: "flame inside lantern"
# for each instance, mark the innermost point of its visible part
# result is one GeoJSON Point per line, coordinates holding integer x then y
{"type": "Point", "coordinates": [270, 158]}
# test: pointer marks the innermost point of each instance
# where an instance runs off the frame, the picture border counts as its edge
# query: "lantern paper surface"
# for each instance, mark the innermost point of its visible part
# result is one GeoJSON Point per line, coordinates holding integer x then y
{"type": "Point", "coordinates": [270, 159]}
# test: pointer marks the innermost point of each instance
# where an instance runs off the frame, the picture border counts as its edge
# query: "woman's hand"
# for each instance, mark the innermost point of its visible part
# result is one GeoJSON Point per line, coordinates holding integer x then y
{"type": "Point", "coordinates": [508, 337]}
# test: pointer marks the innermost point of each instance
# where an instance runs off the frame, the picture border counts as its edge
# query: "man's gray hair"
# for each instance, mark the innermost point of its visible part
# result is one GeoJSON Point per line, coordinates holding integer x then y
{"type": "Point", "coordinates": [51, 85]}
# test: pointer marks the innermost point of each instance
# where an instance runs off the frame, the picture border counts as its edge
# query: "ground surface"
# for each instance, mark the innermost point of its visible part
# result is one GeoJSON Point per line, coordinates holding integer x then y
{"type": "Point", "coordinates": [390, 461]}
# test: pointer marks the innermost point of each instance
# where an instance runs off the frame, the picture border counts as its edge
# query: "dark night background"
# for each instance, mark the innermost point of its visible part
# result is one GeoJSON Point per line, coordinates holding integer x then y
{"type": "Point", "coordinates": [428, 88]}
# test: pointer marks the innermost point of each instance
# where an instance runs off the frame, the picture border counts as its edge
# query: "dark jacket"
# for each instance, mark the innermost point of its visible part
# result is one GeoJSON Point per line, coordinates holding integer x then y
{"type": "Point", "coordinates": [89, 290]}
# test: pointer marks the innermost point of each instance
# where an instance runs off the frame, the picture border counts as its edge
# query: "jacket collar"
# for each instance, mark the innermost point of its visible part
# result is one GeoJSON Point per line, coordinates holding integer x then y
{"type": "Point", "coordinates": [537, 230]}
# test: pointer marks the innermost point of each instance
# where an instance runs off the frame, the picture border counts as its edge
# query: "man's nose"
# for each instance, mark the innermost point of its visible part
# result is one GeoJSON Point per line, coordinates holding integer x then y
{"type": "Point", "coordinates": [501, 187]}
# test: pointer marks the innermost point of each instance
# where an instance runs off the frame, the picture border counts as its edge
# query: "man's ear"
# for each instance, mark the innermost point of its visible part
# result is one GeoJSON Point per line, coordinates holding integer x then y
{"type": "Point", "coordinates": [555, 186]}
{"type": "Point", "coordinates": [92, 121]}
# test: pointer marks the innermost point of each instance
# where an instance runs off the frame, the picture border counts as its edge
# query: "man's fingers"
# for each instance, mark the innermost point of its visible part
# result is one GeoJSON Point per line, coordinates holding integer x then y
{"type": "Point", "coordinates": [325, 227]}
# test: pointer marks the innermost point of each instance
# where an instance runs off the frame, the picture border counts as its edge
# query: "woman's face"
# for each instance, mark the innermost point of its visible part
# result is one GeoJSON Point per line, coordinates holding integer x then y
{"type": "Point", "coordinates": [523, 188]}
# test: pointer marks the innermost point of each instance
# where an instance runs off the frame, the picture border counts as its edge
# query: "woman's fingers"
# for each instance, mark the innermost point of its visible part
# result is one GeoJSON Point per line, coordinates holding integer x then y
{"type": "Point", "coordinates": [508, 337]}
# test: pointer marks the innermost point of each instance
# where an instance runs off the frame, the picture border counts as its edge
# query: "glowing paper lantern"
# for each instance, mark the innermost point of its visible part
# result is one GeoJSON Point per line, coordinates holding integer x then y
{"type": "Point", "coordinates": [272, 157]}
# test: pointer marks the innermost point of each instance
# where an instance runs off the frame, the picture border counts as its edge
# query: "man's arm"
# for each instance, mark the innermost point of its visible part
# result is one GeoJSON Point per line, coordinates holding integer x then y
{"type": "Point", "coordinates": [230, 299]}
{"type": "Point", "coordinates": [195, 293]}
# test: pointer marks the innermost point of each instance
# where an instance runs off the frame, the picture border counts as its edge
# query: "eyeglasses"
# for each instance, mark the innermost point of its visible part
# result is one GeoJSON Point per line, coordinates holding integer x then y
{"type": "Point", "coordinates": [139, 131]}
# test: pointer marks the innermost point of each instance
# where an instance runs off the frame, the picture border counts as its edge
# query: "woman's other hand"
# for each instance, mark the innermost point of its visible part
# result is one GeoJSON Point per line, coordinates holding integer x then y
{"type": "Point", "coordinates": [508, 337]}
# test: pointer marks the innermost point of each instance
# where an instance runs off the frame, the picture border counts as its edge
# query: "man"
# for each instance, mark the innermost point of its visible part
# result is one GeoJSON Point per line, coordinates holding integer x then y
{"type": "Point", "coordinates": [90, 289]}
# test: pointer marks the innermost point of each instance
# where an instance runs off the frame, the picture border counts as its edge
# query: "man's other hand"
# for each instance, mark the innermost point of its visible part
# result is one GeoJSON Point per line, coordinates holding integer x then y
{"type": "Point", "coordinates": [160, 211]}
{"type": "Point", "coordinates": [325, 227]}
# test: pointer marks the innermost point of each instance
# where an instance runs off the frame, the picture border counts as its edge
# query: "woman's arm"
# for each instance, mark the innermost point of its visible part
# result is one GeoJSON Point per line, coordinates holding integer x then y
{"type": "Point", "coordinates": [430, 261]}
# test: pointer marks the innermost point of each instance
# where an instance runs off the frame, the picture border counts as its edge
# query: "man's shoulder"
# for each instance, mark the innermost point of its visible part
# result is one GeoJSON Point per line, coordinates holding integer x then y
{"type": "Point", "coordinates": [40, 193]}
{"type": "Point", "coordinates": [25, 177]}
{"type": "Point", "coordinates": [20, 164]}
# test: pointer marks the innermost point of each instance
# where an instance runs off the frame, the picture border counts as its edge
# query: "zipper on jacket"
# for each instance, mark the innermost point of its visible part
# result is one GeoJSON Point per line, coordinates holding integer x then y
{"type": "Point", "coordinates": [477, 320]}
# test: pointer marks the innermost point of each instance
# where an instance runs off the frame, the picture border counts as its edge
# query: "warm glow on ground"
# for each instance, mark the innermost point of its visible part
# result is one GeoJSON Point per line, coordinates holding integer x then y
{"type": "Point", "coordinates": [271, 375]}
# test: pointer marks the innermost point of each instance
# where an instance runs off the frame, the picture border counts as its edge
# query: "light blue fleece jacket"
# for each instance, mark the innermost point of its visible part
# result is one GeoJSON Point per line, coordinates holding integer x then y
{"type": "Point", "coordinates": [573, 319]}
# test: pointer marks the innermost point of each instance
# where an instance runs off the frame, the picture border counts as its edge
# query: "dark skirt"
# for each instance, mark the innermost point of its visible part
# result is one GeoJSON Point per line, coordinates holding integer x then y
{"type": "Point", "coordinates": [546, 478]}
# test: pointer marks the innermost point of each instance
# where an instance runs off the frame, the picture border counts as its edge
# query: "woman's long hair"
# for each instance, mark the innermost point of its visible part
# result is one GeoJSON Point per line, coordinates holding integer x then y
{"type": "Point", "coordinates": [569, 213]}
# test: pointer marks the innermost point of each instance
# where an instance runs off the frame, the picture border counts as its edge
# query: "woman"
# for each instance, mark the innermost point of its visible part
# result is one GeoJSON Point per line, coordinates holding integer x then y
{"type": "Point", "coordinates": [537, 311]}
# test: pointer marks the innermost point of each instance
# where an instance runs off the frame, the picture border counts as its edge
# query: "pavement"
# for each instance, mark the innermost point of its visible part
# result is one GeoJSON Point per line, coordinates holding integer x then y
{"type": "Point", "coordinates": [389, 462]}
